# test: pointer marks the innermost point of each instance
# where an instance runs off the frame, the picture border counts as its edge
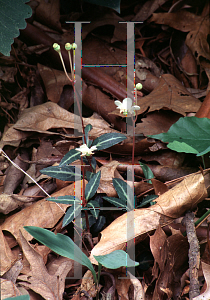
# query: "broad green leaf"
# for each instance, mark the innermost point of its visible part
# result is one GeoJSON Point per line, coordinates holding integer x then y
{"type": "Point", "coordinates": [116, 201]}
{"type": "Point", "coordinates": [12, 18]}
{"type": "Point", "coordinates": [65, 173]}
{"type": "Point", "coordinates": [71, 213]}
{"type": "Point", "coordinates": [62, 245]}
{"type": "Point", "coordinates": [107, 140]}
{"type": "Point", "coordinates": [22, 297]}
{"type": "Point", "coordinates": [95, 208]}
{"type": "Point", "coordinates": [70, 157]}
{"type": "Point", "coordinates": [115, 260]}
{"type": "Point", "coordinates": [147, 172]}
{"type": "Point", "coordinates": [182, 147]}
{"type": "Point", "coordinates": [68, 199]}
{"type": "Point", "coordinates": [193, 131]}
{"type": "Point", "coordinates": [114, 4]}
{"type": "Point", "coordinates": [123, 190]}
{"type": "Point", "coordinates": [147, 200]}
{"type": "Point", "coordinates": [92, 186]}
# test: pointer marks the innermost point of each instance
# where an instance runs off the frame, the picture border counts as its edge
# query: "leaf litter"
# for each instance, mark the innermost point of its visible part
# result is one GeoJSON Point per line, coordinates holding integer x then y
{"type": "Point", "coordinates": [37, 116]}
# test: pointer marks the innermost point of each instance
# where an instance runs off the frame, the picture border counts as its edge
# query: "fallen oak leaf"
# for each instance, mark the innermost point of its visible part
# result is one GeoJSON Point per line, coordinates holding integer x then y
{"type": "Point", "coordinates": [38, 279]}
{"type": "Point", "coordinates": [170, 205]}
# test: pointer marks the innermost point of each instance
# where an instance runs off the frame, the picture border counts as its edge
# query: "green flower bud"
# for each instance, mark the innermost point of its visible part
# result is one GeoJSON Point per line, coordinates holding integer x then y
{"type": "Point", "coordinates": [68, 46]}
{"type": "Point", "coordinates": [139, 86]}
{"type": "Point", "coordinates": [56, 47]}
{"type": "Point", "coordinates": [74, 46]}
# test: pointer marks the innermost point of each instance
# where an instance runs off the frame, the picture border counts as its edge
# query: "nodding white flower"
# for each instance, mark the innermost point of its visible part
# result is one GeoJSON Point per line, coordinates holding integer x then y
{"type": "Point", "coordinates": [126, 106]}
{"type": "Point", "coordinates": [85, 151]}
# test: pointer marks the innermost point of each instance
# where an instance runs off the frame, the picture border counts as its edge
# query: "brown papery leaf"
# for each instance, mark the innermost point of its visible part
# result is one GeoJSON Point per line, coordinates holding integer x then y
{"type": "Point", "coordinates": [38, 279]}
{"type": "Point", "coordinates": [6, 255]}
{"type": "Point", "coordinates": [47, 116]}
{"type": "Point", "coordinates": [43, 213]}
{"type": "Point", "coordinates": [54, 81]}
{"type": "Point", "coordinates": [171, 205]}
{"type": "Point", "coordinates": [206, 272]}
{"type": "Point", "coordinates": [197, 26]}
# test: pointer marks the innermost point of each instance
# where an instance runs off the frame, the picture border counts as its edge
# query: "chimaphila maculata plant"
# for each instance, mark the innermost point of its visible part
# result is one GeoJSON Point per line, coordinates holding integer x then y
{"type": "Point", "coordinates": [68, 172]}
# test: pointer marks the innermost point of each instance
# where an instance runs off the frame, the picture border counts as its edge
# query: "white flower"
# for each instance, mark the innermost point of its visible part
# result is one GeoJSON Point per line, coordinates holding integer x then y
{"type": "Point", "coordinates": [126, 106]}
{"type": "Point", "coordinates": [85, 150]}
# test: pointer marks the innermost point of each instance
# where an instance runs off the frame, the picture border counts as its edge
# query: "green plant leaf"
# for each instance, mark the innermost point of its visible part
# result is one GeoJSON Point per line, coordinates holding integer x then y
{"type": "Point", "coordinates": [116, 201]}
{"type": "Point", "coordinates": [147, 172]}
{"type": "Point", "coordinates": [13, 14]}
{"type": "Point", "coordinates": [65, 173]}
{"type": "Point", "coordinates": [107, 140]}
{"type": "Point", "coordinates": [182, 147]}
{"type": "Point", "coordinates": [193, 131]}
{"type": "Point", "coordinates": [22, 297]}
{"type": "Point", "coordinates": [123, 190]}
{"type": "Point", "coordinates": [92, 186]}
{"type": "Point", "coordinates": [115, 260]}
{"type": "Point", "coordinates": [88, 141]}
{"type": "Point", "coordinates": [71, 213]}
{"type": "Point", "coordinates": [68, 199]}
{"type": "Point", "coordinates": [70, 157]}
{"type": "Point", "coordinates": [114, 4]}
{"type": "Point", "coordinates": [93, 163]}
{"type": "Point", "coordinates": [148, 199]}
{"type": "Point", "coordinates": [62, 245]}
{"type": "Point", "coordinates": [95, 208]}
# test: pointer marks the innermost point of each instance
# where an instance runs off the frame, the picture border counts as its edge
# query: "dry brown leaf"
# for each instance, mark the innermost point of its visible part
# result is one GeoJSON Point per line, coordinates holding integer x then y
{"type": "Point", "coordinates": [156, 122]}
{"type": "Point", "coordinates": [108, 172]}
{"type": "Point", "coordinates": [50, 287]}
{"type": "Point", "coordinates": [47, 116]}
{"type": "Point", "coordinates": [206, 272]}
{"type": "Point", "coordinates": [43, 213]}
{"type": "Point", "coordinates": [9, 289]}
{"type": "Point", "coordinates": [170, 94]}
{"type": "Point", "coordinates": [54, 81]}
{"type": "Point", "coordinates": [7, 258]}
{"type": "Point", "coordinates": [197, 26]}
{"type": "Point", "coordinates": [171, 205]}
{"type": "Point", "coordinates": [173, 263]}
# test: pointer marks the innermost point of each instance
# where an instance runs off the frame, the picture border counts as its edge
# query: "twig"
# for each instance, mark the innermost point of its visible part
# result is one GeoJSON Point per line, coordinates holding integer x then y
{"type": "Point", "coordinates": [194, 254]}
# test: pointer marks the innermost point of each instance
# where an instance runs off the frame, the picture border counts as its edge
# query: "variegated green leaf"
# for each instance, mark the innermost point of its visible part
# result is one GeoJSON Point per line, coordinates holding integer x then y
{"type": "Point", "coordinates": [70, 157]}
{"type": "Point", "coordinates": [94, 208]}
{"type": "Point", "coordinates": [116, 201]}
{"type": "Point", "coordinates": [68, 199]}
{"type": "Point", "coordinates": [71, 213]}
{"type": "Point", "coordinates": [147, 172]}
{"type": "Point", "coordinates": [107, 140]}
{"type": "Point", "coordinates": [92, 186]}
{"type": "Point", "coordinates": [123, 190]}
{"type": "Point", "coordinates": [87, 129]}
{"type": "Point", "coordinates": [65, 173]}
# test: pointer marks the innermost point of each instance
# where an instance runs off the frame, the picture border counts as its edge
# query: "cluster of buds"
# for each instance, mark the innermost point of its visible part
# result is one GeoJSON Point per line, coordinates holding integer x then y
{"type": "Point", "coordinates": [68, 47]}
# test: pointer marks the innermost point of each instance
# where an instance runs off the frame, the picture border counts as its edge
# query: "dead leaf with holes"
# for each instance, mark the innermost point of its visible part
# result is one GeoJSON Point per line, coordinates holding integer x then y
{"type": "Point", "coordinates": [170, 205]}
{"type": "Point", "coordinates": [38, 279]}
